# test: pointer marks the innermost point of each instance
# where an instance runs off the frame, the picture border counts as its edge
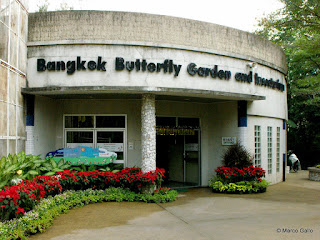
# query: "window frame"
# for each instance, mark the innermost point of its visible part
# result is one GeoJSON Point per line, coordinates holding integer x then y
{"type": "Point", "coordinates": [269, 149]}
{"type": "Point", "coordinates": [95, 130]}
{"type": "Point", "coordinates": [257, 145]}
{"type": "Point", "coordinates": [278, 149]}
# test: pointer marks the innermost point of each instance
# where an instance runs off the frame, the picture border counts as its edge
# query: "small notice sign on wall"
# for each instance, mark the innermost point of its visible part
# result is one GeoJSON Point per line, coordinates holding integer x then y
{"type": "Point", "coordinates": [229, 141]}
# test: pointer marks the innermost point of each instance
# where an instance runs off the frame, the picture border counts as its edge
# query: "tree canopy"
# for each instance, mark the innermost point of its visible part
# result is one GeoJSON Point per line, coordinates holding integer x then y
{"type": "Point", "coordinates": [296, 28]}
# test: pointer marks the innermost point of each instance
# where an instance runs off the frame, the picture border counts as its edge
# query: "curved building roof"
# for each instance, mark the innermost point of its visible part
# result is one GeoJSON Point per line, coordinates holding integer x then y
{"type": "Point", "coordinates": [124, 28]}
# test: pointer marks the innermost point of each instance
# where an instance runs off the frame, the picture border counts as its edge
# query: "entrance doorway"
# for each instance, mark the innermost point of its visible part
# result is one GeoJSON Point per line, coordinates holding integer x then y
{"type": "Point", "coordinates": [178, 151]}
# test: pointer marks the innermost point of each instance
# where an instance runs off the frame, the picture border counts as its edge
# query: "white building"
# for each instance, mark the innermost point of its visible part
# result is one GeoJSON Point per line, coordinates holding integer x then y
{"type": "Point", "coordinates": [160, 91]}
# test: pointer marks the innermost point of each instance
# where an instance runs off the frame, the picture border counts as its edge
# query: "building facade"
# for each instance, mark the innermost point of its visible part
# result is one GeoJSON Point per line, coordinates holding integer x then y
{"type": "Point", "coordinates": [13, 67]}
{"type": "Point", "coordinates": [157, 90]}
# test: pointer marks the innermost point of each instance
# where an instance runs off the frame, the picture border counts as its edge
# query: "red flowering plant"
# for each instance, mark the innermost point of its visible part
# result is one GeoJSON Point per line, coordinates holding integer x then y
{"type": "Point", "coordinates": [134, 179]}
{"type": "Point", "coordinates": [130, 178]}
{"type": "Point", "coordinates": [51, 184]}
{"type": "Point", "coordinates": [238, 180]}
{"type": "Point", "coordinates": [8, 203]}
{"type": "Point", "coordinates": [162, 190]}
{"type": "Point", "coordinates": [17, 199]}
{"type": "Point", "coordinates": [234, 174]}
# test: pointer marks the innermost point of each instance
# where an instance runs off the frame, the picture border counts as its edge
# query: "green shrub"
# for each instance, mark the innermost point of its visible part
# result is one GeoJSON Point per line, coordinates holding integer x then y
{"type": "Point", "coordinates": [237, 156]}
{"type": "Point", "coordinates": [15, 168]}
{"type": "Point", "coordinates": [18, 166]}
{"type": "Point", "coordinates": [105, 168]}
{"type": "Point", "coordinates": [239, 187]}
{"type": "Point", "coordinates": [50, 167]}
{"type": "Point", "coordinates": [41, 217]}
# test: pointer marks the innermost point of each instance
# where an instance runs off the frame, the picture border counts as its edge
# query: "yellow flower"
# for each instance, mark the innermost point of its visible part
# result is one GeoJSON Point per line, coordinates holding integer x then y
{"type": "Point", "coordinates": [19, 172]}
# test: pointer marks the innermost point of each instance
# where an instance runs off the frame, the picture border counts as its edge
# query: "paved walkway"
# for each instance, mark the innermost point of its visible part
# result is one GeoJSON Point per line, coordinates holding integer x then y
{"type": "Point", "coordinates": [288, 210]}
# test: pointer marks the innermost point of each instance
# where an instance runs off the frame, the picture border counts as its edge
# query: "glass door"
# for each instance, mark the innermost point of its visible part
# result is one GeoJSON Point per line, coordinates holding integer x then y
{"type": "Point", "coordinates": [192, 159]}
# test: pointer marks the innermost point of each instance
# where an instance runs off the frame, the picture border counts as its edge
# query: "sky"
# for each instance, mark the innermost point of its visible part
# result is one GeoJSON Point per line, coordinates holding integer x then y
{"type": "Point", "coordinates": [240, 14]}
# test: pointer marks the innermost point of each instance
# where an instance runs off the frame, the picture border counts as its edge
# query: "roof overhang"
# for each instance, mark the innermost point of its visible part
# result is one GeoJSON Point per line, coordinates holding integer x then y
{"type": "Point", "coordinates": [119, 92]}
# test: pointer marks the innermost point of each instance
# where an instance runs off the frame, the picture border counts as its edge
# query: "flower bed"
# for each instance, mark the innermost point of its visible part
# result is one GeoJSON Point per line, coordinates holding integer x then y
{"type": "Point", "coordinates": [239, 180]}
{"type": "Point", "coordinates": [41, 217]}
{"type": "Point", "coordinates": [234, 174]}
{"type": "Point", "coordinates": [17, 199]}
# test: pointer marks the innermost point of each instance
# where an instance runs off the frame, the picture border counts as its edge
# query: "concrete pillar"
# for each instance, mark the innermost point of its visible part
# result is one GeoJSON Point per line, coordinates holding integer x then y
{"type": "Point", "coordinates": [29, 147]}
{"type": "Point", "coordinates": [242, 123]}
{"type": "Point", "coordinates": [242, 136]}
{"type": "Point", "coordinates": [148, 132]}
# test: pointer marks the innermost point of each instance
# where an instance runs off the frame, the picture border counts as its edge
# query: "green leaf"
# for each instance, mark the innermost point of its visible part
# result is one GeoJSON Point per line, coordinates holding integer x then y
{"type": "Point", "coordinates": [65, 166]}
{"type": "Point", "coordinates": [39, 161]}
{"type": "Point", "coordinates": [49, 173]}
{"type": "Point", "coordinates": [61, 162]}
{"type": "Point", "coordinates": [47, 165]}
{"type": "Point", "coordinates": [33, 172]}
{"type": "Point", "coordinates": [291, 124]}
{"type": "Point", "coordinates": [92, 168]}
{"type": "Point", "coordinates": [83, 167]}
{"type": "Point", "coordinates": [24, 165]}
{"type": "Point", "coordinates": [77, 169]}
{"type": "Point", "coordinates": [12, 168]}
{"type": "Point", "coordinates": [3, 183]}
{"type": "Point", "coordinates": [53, 163]}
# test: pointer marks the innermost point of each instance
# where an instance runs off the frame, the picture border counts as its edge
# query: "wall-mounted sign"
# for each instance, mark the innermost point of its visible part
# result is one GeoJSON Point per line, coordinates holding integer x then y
{"type": "Point", "coordinates": [175, 131]}
{"type": "Point", "coordinates": [71, 66]}
{"type": "Point", "coordinates": [167, 66]}
{"type": "Point", "coordinates": [229, 141]}
{"type": "Point", "coordinates": [113, 147]}
{"type": "Point", "coordinates": [243, 77]}
{"type": "Point", "coordinates": [143, 65]}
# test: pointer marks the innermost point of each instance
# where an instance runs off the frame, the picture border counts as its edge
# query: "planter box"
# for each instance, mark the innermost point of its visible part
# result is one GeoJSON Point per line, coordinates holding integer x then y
{"type": "Point", "coordinates": [314, 173]}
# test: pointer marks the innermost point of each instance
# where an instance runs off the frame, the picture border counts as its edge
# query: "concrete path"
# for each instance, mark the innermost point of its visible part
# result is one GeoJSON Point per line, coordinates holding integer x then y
{"type": "Point", "coordinates": [288, 210]}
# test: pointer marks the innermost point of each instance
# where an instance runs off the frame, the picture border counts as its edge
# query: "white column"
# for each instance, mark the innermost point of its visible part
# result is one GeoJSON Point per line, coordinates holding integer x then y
{"type": "Point", "coordinates": [29, 147]}
{"type": "Point", "coordinates": [148, 132]}
{"type": "Point", "coordinates": [242, 136]}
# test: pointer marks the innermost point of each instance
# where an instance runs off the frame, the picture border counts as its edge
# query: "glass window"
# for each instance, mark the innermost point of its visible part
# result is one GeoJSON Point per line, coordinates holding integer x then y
{"type": "Point", "coordinates": [4, 39]}
{"type": "Point", "coordinates": [257, 146]}
{"type": "Point", "coordinates": [269, 150]}
{"type": "Point", "coordinates": [79, 121]}
{"type": "Point", "coordinates": [94, 136]}
{"type": "Point", "coordinates": [166, 122]}
{"type": "Point", "coordinates": [278, 149]}
{"type": "Point", "coordinates": [4, 12]}
{"type": "Point", "coordinates": [79, 138]}
{"type": "Point", "coordinates": [109, 137]}
{"type": "Point", "coordinates": [189, 122]}
{"type": "Point", "coordinates": [110, 122]}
